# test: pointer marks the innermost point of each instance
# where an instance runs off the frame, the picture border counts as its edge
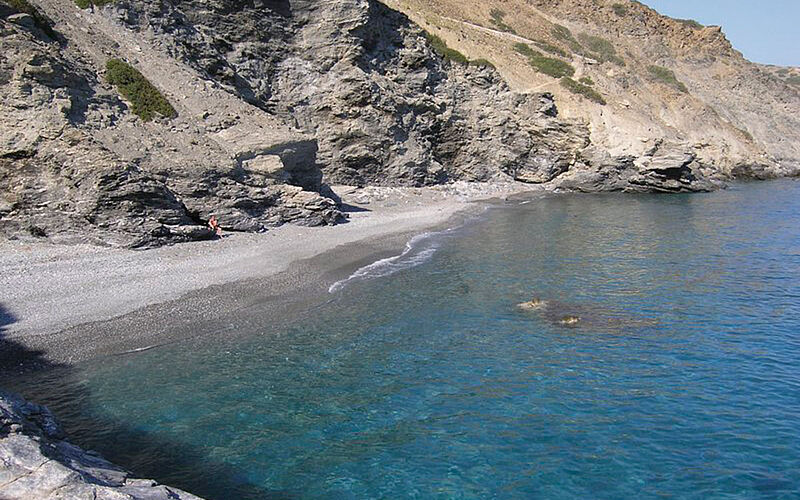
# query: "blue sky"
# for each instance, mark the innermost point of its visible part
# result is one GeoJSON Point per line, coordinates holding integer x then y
{"type": "Point", "coordinates": [765, 31]}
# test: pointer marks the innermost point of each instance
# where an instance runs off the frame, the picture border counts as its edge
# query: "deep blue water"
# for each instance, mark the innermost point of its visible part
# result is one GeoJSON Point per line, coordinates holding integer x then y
{"type": "Point", "coordinates": [681, 380]}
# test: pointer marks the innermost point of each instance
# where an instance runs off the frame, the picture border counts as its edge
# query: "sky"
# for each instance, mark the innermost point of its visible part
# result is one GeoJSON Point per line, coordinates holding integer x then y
{"type": "Point", "coordinates": [765, 31]}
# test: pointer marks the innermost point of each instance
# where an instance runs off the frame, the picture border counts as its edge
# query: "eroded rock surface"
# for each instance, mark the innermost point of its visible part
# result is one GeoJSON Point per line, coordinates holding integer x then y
{"type": "Point", "coordinates": [275, 100]}
{"type": "Point", "coordinates": [37, 463]}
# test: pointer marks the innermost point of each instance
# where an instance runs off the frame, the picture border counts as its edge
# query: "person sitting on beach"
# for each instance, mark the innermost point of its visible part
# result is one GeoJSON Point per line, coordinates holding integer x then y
{"type": "Point", "coordinates": [214, 225]}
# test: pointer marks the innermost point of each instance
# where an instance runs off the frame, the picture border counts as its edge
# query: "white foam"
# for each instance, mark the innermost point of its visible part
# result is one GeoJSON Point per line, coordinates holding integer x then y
{"type": "Point", "coordinates": [413, 255]}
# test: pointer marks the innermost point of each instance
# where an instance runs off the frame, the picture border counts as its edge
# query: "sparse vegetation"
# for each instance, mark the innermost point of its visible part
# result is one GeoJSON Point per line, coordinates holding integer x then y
{"type": "Point", "coordinates": [547, 65]}
{"type": "Point", "coordinates": [526, 50]}
{"type": "Point", "coordinates": [484, 63]}
{"type": "Point", "coordinates": [584, 90]}
{"type": "Point", "coordinates": [620, 9]}
{"type": "Point", "coordinates": [41, 21]}
{"type": "Point", "coordinates": [667, 76]}
{"type": "Point", "coordinates": [443, 50]}
{"type": "Point", "coordinates": [497, 18]}
{"type": "Point", "coordinates": [552, 49]}
{"type": "Point", "coordinates": [600, 49]}
{"type": "Point", "coordinates": [145, 99]}
{"type": "Point", "coordinates": [691, 23]}
{"type": "Point", "coordinates": [586, 80]}
{"type": "Point", "coordinates": [793, 80]}
{"type": "Point", "coordinates": [85, 4]}
{"type": "Point", "coordinates": [563, 34]}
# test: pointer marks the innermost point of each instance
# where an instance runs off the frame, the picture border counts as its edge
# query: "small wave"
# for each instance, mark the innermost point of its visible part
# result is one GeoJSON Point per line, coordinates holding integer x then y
{"type": "Point", "coordinates": [413, 255]}
{"type": "Point", "coordinates": [137, 350]}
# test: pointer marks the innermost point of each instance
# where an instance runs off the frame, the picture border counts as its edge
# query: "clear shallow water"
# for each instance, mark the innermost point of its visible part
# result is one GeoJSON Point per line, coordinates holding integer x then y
{"type": "Point", "coordinates": [681, 381]}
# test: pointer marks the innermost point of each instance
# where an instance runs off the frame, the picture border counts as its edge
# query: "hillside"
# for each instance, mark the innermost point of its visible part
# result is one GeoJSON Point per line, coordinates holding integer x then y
{"type": "Point", "coordinates": [663, 79]}
{"type": "Point", "coordinates": [266, 104]}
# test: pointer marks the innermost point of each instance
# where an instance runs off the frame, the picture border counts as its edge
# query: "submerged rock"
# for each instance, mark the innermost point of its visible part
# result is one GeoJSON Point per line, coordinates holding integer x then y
{"type": "Point", "coordinates": [532, 304]}
{"type": "Point", "coordinates": [36, 462]}
{"type": "Point", "coordinates": [569, 320]}
{"type": "Point", "coordinates": [585, 317]}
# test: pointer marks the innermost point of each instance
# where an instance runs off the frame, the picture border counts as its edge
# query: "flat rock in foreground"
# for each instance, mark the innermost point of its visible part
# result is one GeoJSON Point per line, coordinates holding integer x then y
{"type": "Point", "coordinates": [36, 462]}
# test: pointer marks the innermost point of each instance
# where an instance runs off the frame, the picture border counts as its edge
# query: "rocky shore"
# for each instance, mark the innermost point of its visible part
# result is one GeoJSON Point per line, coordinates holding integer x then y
{"type": "Point", "coordinates": [273, 103]}
{"type": "Point", "coordinates": [158, 296]}
{"type": "Point", "coordinates": [66, 312]}
{"type": "Point", "coordinates": [276, 103]}
{"type": "Point", "coordinates": [37, 462]}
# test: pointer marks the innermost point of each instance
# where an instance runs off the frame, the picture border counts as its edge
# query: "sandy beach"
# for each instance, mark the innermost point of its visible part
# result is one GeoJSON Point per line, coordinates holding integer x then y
{"type": "Point", "coordinates": [74, 303]}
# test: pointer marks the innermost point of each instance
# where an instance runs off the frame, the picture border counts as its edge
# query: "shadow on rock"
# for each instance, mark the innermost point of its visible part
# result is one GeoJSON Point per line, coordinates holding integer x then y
{"type": "Point", "coordinates": [61, 388]}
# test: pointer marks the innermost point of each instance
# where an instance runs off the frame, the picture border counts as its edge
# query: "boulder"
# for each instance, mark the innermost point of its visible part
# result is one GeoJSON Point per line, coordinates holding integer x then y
{"type": "Point", "coordinates": [37, 462]}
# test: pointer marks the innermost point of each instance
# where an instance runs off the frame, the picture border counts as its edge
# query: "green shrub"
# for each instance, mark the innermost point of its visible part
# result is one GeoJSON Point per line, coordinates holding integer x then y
{"type": "Point", "coordinates": [793, 80]}
{"type": "Point", "coordinates": [552, 67]}
{"type": "Point", "coordinates": [667, 77]}
{"type": "Point", "coordinates": [547, 65]}
{"type": "Point", "coordinates": [39, 19]}
{"type": "Point", "coordinates": [526, 50]}
{"type": "Point", "coordinates": [548, 47]}
{"type": "Point", "coordinates": [145, 99]}
{"type": "Point", "coordinates": [600, 49]}
{"type": "Point", "coordinates": [85, 4]}
{"type": "Point", "coordinates": [620, 9]}
{"type": "Point", "coordinates": [441, 48]}
{"type": "Point", "coordinates": [586, 80]}
{"type": "Point", "coordinates": [585, 91]}
{"type": "Point", "coordinates": [484, 63]}
{"type": "Point", "coordinates": [563, 34]}
{"type": "Point", "coordinates": [497, 17]}
{"type": "Point", "coordinates": [691, 23]}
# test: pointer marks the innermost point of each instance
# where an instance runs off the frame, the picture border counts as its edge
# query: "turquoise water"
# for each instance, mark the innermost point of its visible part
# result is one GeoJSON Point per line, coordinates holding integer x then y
{"type": "Point", "coordinates": [681, 379]}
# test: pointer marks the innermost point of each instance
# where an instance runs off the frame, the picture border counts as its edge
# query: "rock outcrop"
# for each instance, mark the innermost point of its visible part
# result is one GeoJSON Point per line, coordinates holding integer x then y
{"type": "Point", "coordinates": [661, 80]}
{"type": "Point", "coordinates": [36, 462]}
{"type": "Point", "coordinates": [76, 165]}
{"type": "Point", "coordinates": [276, 99]}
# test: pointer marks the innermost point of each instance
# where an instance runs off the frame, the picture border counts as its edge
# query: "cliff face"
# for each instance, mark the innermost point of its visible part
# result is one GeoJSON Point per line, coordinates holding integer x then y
{"type": "Point", "coordinates": [739, 118]}
{"type": "Point", "coordinates": [277, 98]}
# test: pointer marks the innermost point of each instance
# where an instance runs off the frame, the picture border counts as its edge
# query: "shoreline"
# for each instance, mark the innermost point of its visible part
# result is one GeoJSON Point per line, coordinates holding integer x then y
{"type": "Point", "coordinates": [70, 304]}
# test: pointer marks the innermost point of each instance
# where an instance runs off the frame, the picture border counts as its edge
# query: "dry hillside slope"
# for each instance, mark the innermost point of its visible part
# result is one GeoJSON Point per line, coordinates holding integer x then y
{"type": "Point", "coordinates": [662, 79]}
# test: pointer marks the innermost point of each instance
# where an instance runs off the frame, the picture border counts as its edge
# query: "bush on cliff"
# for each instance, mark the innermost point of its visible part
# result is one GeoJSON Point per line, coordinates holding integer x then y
{"type": "Point", "coordinates": [564, 35]}
{"type": "Point", "coordinates": [667, 76]}
{"type": "Point", "coordinates": [601, 49]}
{"type": "Point", "coordinates": [145, 99]}
{"type": "Point", "coordinates": [584, 90]}
{"type": "Point", "coordinates": [547, 65]}
{"type": "Point", "coordinates": [497, 17]}
{"type": "Point", "coordinates": [691, 23]}
{"type": "Point", "coordinates": [85, 4]}
{"type": "Point", "coordinates": [620, 9]}
{"type": "Point", "coordinates": [552, 49]}
{"type": "Point", "coordinates": [441, 48]}
{"type": "Point", "coordinates": [483, 63]}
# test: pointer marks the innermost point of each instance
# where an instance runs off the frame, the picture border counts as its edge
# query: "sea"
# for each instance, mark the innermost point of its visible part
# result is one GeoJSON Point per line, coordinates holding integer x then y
{"type": "Point", "coordinates": [660, 359]}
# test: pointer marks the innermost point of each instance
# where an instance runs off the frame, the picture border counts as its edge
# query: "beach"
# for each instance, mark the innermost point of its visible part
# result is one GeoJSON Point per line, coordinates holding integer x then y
{"type": "Point", "coordinates": [73, 303]}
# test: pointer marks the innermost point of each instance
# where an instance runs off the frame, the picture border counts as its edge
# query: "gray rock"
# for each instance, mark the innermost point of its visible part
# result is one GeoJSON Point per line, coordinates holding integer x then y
{"type": "Point", "coordinates": [36, 462]}
{"type": "Point", "coordinates": [272, 100]}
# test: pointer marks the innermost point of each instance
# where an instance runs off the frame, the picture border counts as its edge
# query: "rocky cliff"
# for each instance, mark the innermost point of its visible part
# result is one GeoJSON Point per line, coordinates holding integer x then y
{"type": "Point", "coordinates": [663, 82]}
{"type": "Point", "coordinates": [36, 462]}
{"type": "Point", "coordinates": [277, 98]}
